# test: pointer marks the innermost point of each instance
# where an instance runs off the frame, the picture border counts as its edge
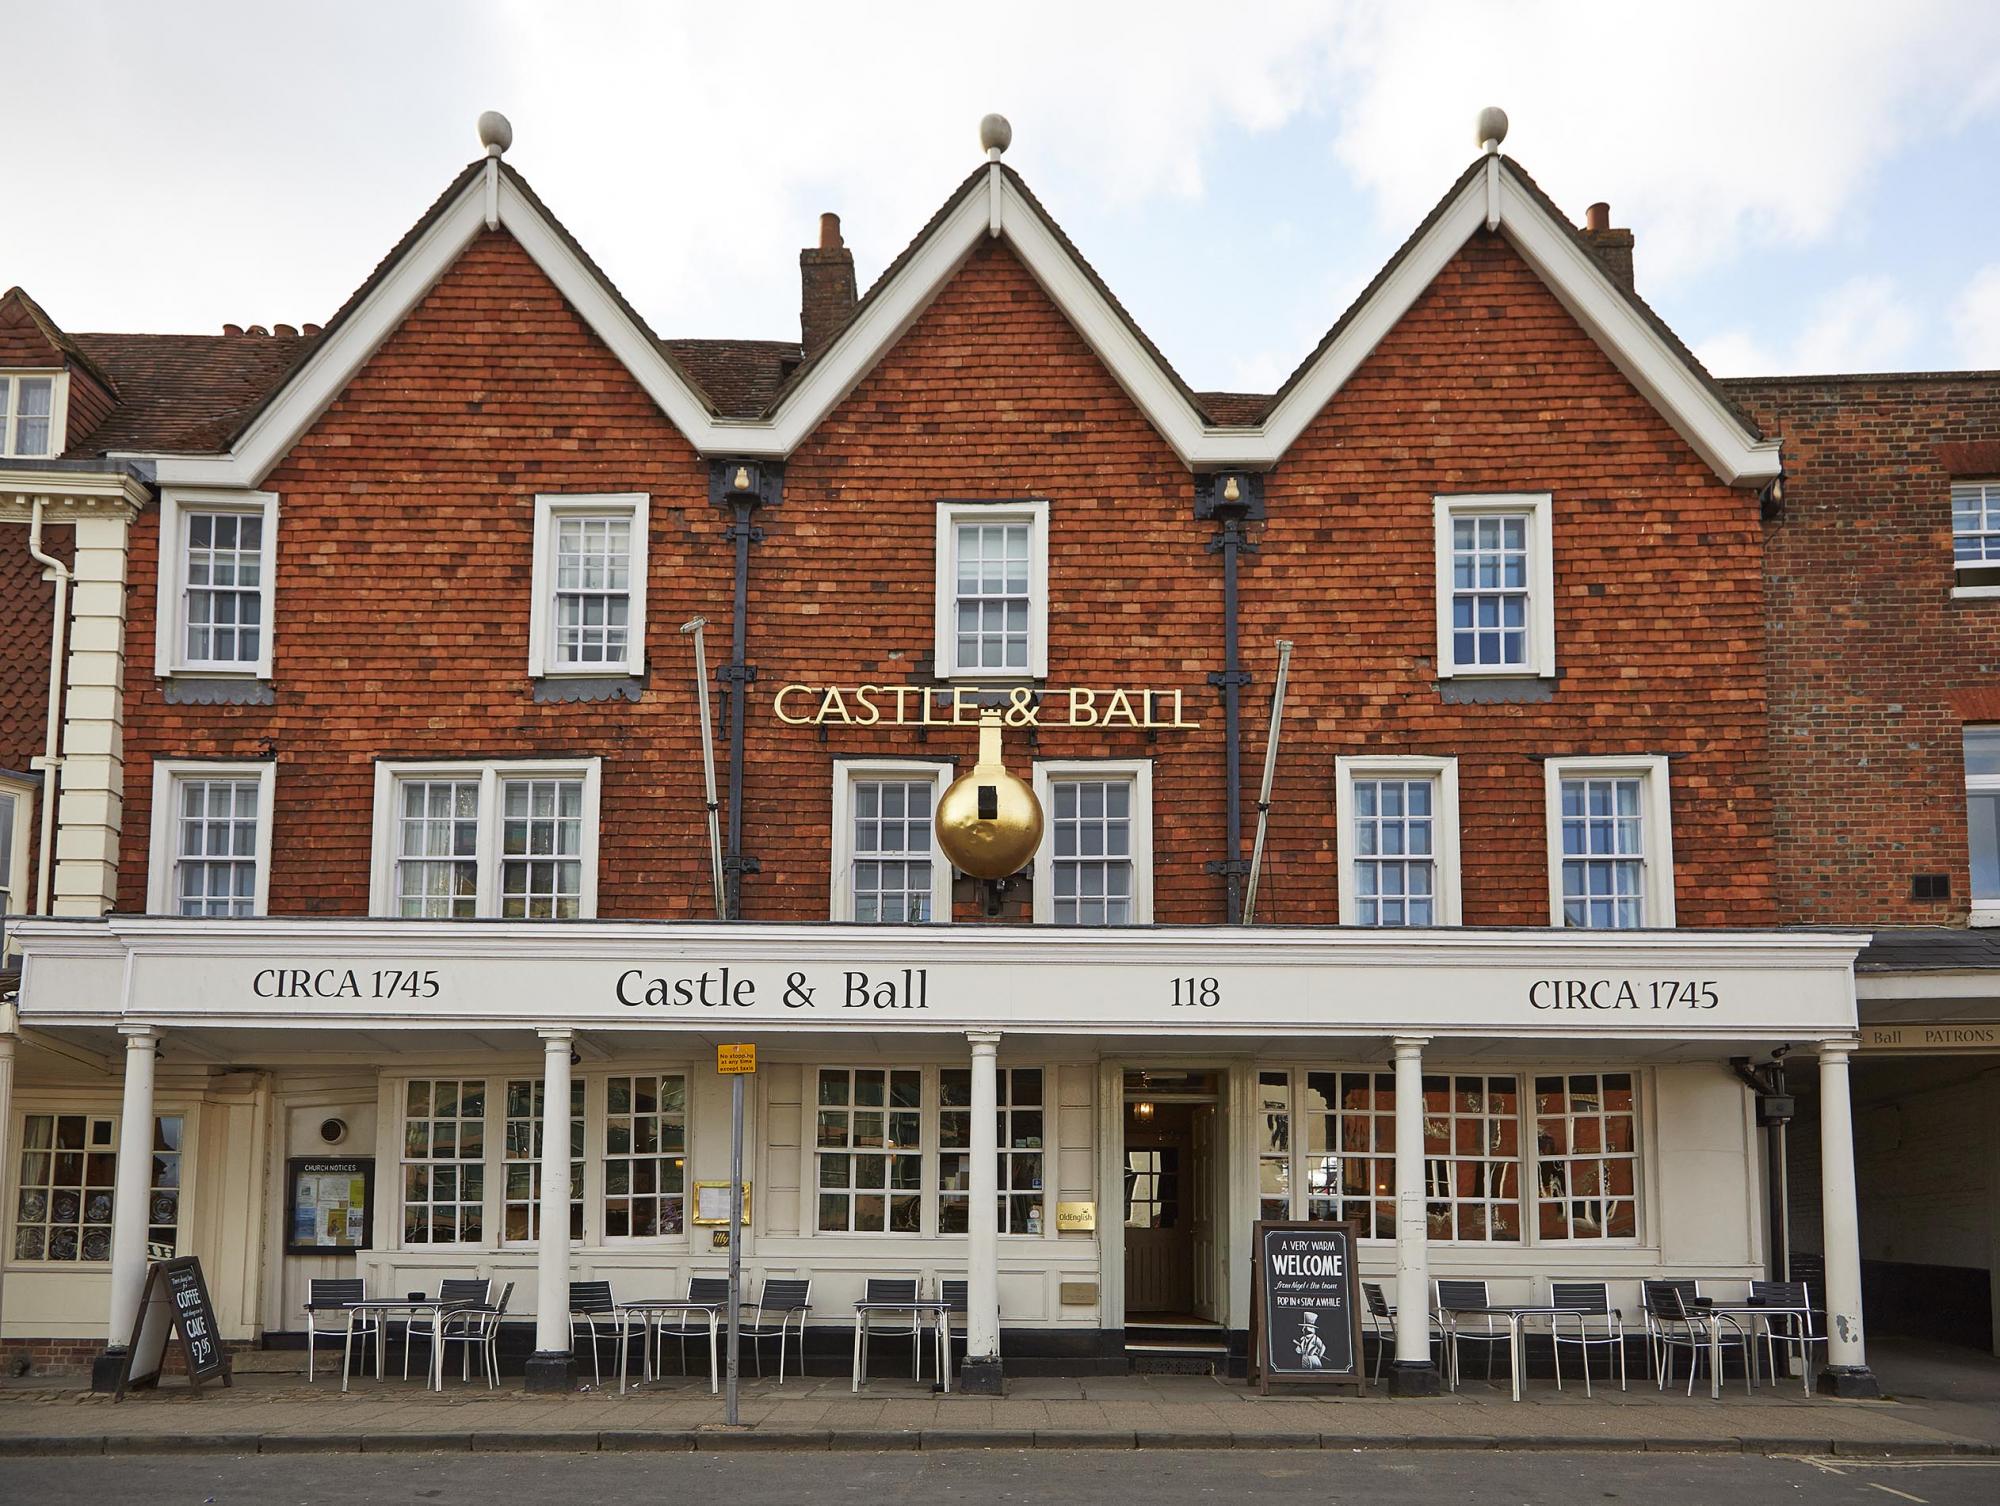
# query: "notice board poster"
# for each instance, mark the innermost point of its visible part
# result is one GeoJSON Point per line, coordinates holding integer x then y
{"type": "Point", "coordinates": [1305, 1320]}
{"type": "Point", "coordinates": [328, 1205]}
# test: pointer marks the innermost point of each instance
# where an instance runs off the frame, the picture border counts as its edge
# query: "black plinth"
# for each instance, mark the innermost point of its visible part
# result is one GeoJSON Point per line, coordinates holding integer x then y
{"type": "Point", "coordinates": [553, 1371]}
{"type": "Point", "coordinates": [1856, 1382]}
{"type": "Point", "coordinates": [107, 1370]}
{"type": "Point", "coordinates": [980, 1377]}
{"type": "Point", "coordinates": [1413, 1378]}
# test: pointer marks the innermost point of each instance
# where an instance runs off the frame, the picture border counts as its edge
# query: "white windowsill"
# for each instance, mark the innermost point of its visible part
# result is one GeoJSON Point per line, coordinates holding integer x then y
{"type": "Point", "coordinates": [1984, 913]}
{"type": "Point", "coordinates": [1975, 593]}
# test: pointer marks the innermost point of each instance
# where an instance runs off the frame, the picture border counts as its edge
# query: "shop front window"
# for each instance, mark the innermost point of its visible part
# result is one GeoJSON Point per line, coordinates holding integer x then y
{"type": "Point", "coordinates": [868, 1130]}
{"type": "Point", "coordinates": [523, 1214]}
{"type": "Point", "coordinates": [1018, 1106]}
{"type": "Point", "coordinates": [444, 1161]}
{"type": "Point", "coordinates": [1587, 1157]}
{"type": "Point", "coordinates": [645, 1156]}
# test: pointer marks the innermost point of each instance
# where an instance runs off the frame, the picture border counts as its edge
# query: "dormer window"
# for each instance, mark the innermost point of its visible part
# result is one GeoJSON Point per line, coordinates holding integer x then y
{"type": "Point", "coordinates": [28, 427]}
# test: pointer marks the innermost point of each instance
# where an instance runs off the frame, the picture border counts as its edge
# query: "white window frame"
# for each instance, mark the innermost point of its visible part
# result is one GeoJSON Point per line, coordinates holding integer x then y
{"type": "Point", "coordinates": [1656, 808]}
{"type": "Point", "coordinates": [550, 509]}
{"type": "Point", "coordinates": [1004, 1151]}
{"type": "Point", "coordinates": [846, 771]}
{"type": "Point", "coordinates": [1541, 625]}
{"type": "Point", "coordinates": [1981, 912]}
{"type": "Point", "coordinates": [926, 1150]}
{"type": "Point", "coordinates": [1035, 513]}
{"type": "Point", "coordinates": [388, 775]}
{"type": "Point", "coordinates": [1443, 772]}
{"type": "Point", "coordinates": [1990, 500]}
{"type": "Point", "coordinates": [163, 850]}
{"type": "Point", "coordinates": [1140, 772]}
{"type": "Point", "coordinates": [20, 793]}
{"type": "Point", "coordinates": [10, 378]}
{"type": "Point", "coordinates": [170, 614]}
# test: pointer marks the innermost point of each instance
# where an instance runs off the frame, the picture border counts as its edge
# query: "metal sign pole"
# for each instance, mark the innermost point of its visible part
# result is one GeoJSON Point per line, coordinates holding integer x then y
{"type": "Point", "coordinates": [735, 1234]}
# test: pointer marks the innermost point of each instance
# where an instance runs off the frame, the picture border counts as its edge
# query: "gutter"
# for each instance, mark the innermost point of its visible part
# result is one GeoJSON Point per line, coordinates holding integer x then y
{"type": "Point", "coordinates": [741, 486]}
{"type": "Point", "coordinates": [1232, 498]}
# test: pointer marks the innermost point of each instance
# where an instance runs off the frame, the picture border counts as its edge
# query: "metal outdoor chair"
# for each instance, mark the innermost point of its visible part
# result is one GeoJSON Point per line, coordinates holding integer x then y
{"type": "Point", "coordinates": [784, 1300]}
{"type": "Point", "coordinates": [1588, 1299]}
{"type": "Point", "coordinates": [956, 1296]}
{"type": "Point", "coordinates": [594, 1311]}
{"type": "Point", "coordinates": [1492, 1331]}
{"type": "Point", "coordinates": [1795, 1330]}
{"type": "Point", "coordinates": [1690, 1292]}
{"type": "Point", "coordinates": [477, 1328]}
{"type": "Point", "coordinates": [329, 1299]}
{"type": "Point", "coordinates": [889, 1294]}
{"type": "Point", "coordinates": [1381, 1322]}
{"type": "Point", "coordinates": [477, 1292]}
{"type": "Point", "coordinates": [687, 1323]}
{"type": "Point", "coordinates": [1680, 1326]}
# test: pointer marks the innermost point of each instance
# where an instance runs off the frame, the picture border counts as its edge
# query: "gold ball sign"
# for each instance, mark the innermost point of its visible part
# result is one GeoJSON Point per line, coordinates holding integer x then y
{"type": "Point", "coordinates": [989, 822]}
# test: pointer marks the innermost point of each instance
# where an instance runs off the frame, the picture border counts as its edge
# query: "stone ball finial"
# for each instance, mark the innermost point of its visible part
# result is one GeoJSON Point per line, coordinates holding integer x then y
{"type": "Point", "coordinates": [1492, 127]}
{"type": "Point", "coordinates": [995, 135]}
{"type": "Point", "coordinates": [496, 133]}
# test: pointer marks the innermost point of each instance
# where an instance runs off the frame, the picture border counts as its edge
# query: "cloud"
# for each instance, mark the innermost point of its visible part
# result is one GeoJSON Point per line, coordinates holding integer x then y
{"type": "Point", "coordinates": [1975, 320]}
{"type": "Point", "coordinates": [1865, 324]}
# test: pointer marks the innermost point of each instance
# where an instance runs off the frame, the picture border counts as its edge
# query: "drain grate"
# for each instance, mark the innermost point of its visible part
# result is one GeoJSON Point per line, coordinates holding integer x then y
{"type": "Point", "coordinates": [1172, 1364]}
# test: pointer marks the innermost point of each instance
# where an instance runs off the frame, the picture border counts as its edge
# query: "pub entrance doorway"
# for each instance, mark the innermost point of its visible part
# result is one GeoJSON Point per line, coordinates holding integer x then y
{"type": "Point", "coordinates": [1174, 1212]}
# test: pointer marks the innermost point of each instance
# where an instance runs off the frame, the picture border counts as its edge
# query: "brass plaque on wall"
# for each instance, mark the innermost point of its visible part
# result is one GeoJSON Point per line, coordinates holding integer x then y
{"type": "Point", "coordinates": [1079, 1293]}
{"type": "Point", "coordinates": [1076, 1216]}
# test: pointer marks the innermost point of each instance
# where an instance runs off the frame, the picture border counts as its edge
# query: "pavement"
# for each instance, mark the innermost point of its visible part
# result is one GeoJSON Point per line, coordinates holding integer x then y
{"type": "Point", "coordinates": [1941, 1403]}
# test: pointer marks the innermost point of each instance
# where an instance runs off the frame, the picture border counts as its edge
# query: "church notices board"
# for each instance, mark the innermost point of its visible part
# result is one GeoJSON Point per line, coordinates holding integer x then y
{"type": "Point", "coordinates": [1305, 1312]}
{"type": "Point", "coordinates": [327, 1206]}
{"type": "Point", "coordinates": [174, 1303]}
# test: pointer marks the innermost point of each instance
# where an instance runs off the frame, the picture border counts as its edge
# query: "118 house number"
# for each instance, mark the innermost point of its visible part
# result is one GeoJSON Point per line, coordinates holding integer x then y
{"type": "Point", "coordinates": [1196, 993]}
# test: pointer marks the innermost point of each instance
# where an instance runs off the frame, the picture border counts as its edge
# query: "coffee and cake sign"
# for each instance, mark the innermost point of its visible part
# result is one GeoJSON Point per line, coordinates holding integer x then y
{"type": "Point", "coordinates": [962, 705]}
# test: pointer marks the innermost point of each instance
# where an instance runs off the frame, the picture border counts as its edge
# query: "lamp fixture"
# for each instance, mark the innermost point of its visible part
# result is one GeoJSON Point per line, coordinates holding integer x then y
{"type": "Point", "coordinates": [1143, 1109]}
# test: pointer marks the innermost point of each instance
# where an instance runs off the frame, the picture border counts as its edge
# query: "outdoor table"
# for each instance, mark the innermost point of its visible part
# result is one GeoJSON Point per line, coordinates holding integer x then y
{"type": "Point", "coordinates": [918, 1308]}
{"type": "Point", "coordinates": [1516, 1350]}
{"type": "Point", "coordinates": [383, 1307]}
{"type": "Point", "coordinates": [1756, 1311]}
{"type": "Point", "coordinates": [648, 1310]}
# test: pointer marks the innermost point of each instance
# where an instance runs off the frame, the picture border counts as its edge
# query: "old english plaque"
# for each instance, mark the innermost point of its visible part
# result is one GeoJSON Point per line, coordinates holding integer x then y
{"type": "Point", "coordinates": [1076, 1217]}
{"type": "Point", "coordinates": [1305, 1316]}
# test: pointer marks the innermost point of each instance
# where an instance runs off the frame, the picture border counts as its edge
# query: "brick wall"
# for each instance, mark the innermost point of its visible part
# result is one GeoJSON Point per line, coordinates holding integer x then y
{"type": "Point", "coordinates": [1868, 650]}
{"type": "Point", "coordinates": [404, 590]}
{"type": "Point", "coordinates": [27, 616]}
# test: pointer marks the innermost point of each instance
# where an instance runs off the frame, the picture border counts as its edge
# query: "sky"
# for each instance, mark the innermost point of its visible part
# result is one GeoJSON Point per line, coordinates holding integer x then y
{"type": "Point", "coordinates": [1811, 185]}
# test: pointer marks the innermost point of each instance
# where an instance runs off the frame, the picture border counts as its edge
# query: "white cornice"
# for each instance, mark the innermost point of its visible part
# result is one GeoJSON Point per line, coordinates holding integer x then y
{"type": "Point", "coordinates": [1578, 280]}
{"type": "Point", "coordinates": [60, 491]}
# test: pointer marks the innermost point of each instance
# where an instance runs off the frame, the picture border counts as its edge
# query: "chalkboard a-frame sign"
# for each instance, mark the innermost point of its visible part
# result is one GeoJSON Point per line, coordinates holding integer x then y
{"type": "Point", "coordinates": [1305, 1310]}
{"type": "Point", "coordinates": [174, 1302]}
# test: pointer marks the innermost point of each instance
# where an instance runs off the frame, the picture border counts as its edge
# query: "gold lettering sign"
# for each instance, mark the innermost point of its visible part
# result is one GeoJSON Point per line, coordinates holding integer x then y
{"type": "Point", "coordinates": [960, 706]}
{"type": "Point", "coordinates": [1081, 1216]}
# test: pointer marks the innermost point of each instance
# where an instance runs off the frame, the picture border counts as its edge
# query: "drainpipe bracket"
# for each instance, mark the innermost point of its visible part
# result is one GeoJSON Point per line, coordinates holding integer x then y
{"type": "Point", "coordinates": [1222, 679]}
{"type": "Point", "coordinates": [736, 674]}
{"type": "Point", "coordinates": [1209, 501]}
{"type": "Point", "coordinates": [1227, 867]}
{"type": "Point", "coordinates": [742, 863]}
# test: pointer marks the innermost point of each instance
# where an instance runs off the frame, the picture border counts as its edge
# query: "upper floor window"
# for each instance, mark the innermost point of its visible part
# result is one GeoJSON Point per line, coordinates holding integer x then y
{"type": "Point", "coordinates": [218, 557]}
{"type": "Point", "coordinates": [589, 584]}
{"type": "Point", "coordinates": [1975, 537]}
{"type": "Point", "coordinates": [211, 839]}
{"type": "Point", "coordinates": [1610, 843]}
{"type": "Point", "coordinates": [1398, 819]}
{"type": "Point", "coordinates": [1495, 585]}
{"type": "Point", "coordinates": [1095, 865]}
{"type": "Point", "coordinates": [886, 866]}
{"type": "Point", "coordinates": [992, 590]}
{"type": "Point", "coordinates": [16, 798]}
{"type": "Point", "coordinates": [512, 840]}
{"type": "Point", "coordinates": [1982, 820]}
{"type": "Point", "coordinates": [30, 424]}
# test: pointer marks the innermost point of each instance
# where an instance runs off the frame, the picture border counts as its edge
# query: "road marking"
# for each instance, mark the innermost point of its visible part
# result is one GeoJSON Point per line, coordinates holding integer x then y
{"type": "Point", "coordinates": [1903, 1493]}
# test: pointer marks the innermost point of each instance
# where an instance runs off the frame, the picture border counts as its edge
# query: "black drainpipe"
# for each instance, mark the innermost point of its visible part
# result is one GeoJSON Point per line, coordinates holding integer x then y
{"type": "Point", "coordinates": [1232, 498]}
{"type": "Point", "coordinates": [741, 486]}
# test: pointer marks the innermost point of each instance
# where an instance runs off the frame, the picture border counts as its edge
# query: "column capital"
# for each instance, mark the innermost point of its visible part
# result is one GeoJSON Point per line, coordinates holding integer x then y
{"type": "Point", "coordinates": [1409, 1045]}
{"type": "Point", "coordinates": [137, 1036]}
{"type": "Point", "coordinates": [983, 1038]}
{"type": "Point", "coordinates": [555, 1035]}
{"type": "Point", "coordinates": [1844, 1047]}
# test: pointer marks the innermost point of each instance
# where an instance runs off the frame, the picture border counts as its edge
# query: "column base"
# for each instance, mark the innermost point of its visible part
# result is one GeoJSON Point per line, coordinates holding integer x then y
{"type": "Point", "coordinates": [1413, 1378]}
{"type": "Point", "coordinates": [980, 1377]}
{"type": "Point", "coordinates": [107, 1370]}
{"type": "Point", "coordinates": [554, 1370]}
{"type": "Point", "coordinates": [1855, 1382]}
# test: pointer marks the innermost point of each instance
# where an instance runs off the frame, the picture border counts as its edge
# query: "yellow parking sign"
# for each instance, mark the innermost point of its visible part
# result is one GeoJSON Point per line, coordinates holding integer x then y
{"type": "Point", "coordinates": [732, 1061]}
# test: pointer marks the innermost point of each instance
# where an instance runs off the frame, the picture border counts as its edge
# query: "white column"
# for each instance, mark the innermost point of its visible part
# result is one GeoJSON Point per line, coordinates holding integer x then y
{"type": "Point", "coordinates": [982, 1317]}
{"type": "Point", "coordinates": [135, 1177]}
{"type": "Point", "coordinates": [1414, 1373]}
{"type": "Point", "coordinates": [1846, 1356]}
{"type": "Point", "coordinates": [91, 796]}
{"type": "Point", "coordinates": [552, 1249]}
{"type": "Point", "coordinates": [6, 1123]}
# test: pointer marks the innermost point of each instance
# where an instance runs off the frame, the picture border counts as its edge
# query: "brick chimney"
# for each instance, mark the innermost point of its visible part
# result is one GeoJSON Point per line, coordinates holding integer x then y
{"type": "Point", "coordinates": [1613, 247]}
{"type": "Point", "coordinates": [826, 287]}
